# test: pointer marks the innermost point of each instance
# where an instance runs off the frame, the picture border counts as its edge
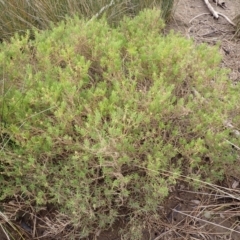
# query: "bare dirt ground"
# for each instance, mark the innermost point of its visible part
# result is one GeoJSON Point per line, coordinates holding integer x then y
{"type": "Point", "coordinates": [189, 21]}
{"type": "Point", "coordinates": [210, 212]}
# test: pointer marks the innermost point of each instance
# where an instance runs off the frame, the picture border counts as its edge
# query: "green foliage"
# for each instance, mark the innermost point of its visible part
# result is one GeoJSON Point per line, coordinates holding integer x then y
{"type": "Point", "coordinates": [18, 16]}
{"type": "Point", "coordinates": [98, 119]}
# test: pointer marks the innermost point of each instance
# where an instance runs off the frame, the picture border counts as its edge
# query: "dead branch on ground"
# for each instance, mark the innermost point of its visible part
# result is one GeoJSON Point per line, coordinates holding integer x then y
{"type": "Point", "coordinates": [217, 14]}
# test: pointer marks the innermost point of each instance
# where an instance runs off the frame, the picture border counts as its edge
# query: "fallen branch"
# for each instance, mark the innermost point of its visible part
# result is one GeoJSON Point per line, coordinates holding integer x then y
{"type": "Point", "coordinates": [211, 9]}
{"type": "Point", "coordinates": [233, 24]}
{"type": "Point", "coordinates": [214, 13]}
{"type": "Point", "coordinates": [220, 3]}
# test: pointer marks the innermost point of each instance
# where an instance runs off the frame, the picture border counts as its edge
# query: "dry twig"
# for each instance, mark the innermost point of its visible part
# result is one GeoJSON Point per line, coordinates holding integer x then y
{"type": "Point", "coordinates": [211, 9]}
{"type": "Point", "coordinates": [217, 14]}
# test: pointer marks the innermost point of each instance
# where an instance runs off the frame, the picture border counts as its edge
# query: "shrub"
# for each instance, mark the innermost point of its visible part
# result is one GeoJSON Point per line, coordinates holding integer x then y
{"type": "Point", "coordinates": [23, 14]}
{"type": "Point", "coordinates": [98, 120]}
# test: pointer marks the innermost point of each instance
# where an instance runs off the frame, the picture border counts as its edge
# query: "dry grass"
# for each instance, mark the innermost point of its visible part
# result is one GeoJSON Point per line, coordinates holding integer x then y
{"type": "Point", "coordinates": [18, 16]}
{"type": "Point", "coordinates": [210, 213]}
